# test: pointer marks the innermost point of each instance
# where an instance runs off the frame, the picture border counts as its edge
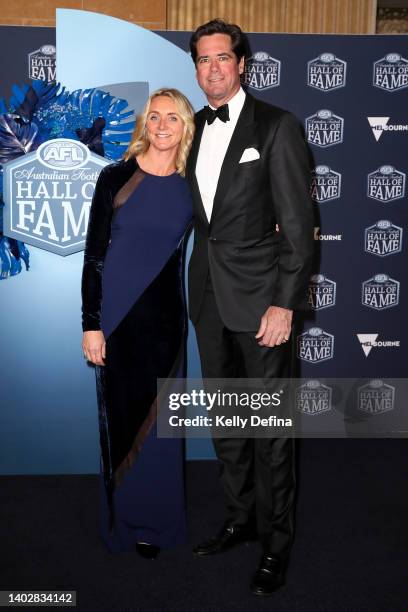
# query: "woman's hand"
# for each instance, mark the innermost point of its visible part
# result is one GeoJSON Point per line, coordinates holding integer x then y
{"type": "Point", "coordinates": [94, 347]}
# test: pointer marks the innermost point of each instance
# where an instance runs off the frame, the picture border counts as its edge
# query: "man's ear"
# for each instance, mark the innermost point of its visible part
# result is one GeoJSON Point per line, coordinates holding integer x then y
{"type": "Point", "coordinates": [241, 65]}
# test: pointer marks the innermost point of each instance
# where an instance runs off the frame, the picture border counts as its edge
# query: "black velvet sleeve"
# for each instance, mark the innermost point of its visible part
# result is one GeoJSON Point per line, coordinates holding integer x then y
{"type": "Point", "coordinates": [97, 241]}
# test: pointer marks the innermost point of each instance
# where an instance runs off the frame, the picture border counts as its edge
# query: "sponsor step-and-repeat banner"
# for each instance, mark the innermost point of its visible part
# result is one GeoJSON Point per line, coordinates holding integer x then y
{"type": "Point", "coordinates": [348, 93]}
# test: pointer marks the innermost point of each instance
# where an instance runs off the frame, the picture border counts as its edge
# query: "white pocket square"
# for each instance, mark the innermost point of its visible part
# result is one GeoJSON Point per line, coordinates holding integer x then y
{"type": "Point", "coordinates": [249, 155]}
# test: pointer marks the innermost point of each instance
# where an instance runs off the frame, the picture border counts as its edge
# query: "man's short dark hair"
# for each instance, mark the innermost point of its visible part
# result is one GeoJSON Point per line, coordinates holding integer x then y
{"type": "Point", "coordinates": [239, 43]}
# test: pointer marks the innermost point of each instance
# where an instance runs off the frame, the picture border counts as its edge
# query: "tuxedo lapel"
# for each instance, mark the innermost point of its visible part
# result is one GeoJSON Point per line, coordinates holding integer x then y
{"type": "Point", "coordinates": [192, 162]}
{"type": "Point", "coordinates": [242, 137]}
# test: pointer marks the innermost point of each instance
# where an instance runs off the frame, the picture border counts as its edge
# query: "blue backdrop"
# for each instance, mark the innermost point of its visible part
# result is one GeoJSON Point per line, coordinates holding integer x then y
{"type": "Point", "coordinates": [349, 93]}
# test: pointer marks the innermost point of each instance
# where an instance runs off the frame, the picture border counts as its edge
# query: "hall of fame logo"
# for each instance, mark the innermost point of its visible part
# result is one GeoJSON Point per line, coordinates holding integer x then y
{"type": "Point", "coordinates": [325, 185]}
{"type": "Point", "coordinates": [322, 292]}
{"type": "Point", "coordinates": [324, 129]}
{"type": "Point", "coordinates": [380, 292]}
{"type": "Point", "coordinates": [383, 238]}
{"type": "Point", "coordinates": [326, 72]}
{"type": "Point", "coordinates": [375, 397]}
{"type": "Point", "coordinates": [42, 63]}
{"type": "Point", "coordinates": [262, 71]}
{"type": "Point", "coordinates": [386, 184]}
{"type": "Point", "coordinates": [49, 193]}
{"type": "Point", "coordinates": [313, 398]}
{"type": "Point", "coordinates": [47, 187]}
{"type": "Point", "coordinates": [391, 72]}
{"type": "Point", "coordinates": [315, 345]}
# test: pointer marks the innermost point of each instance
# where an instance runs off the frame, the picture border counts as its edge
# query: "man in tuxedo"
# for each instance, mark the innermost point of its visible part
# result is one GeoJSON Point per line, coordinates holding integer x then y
{"type": "Point", "coordinates": [249, 175]}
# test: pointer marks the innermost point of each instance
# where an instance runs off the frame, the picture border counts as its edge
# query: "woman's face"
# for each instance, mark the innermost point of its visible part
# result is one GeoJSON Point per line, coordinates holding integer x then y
{"type": "Point", "coordinates": [164, 125]}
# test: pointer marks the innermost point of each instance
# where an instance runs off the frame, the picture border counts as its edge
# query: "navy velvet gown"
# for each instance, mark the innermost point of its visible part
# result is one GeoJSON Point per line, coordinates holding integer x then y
{"type": "Point", "coordinates": [133, 290]}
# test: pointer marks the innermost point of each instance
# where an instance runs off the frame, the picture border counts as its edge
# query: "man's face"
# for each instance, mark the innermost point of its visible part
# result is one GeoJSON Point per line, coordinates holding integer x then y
{"type": "Point", "coordinates": [218, 72]}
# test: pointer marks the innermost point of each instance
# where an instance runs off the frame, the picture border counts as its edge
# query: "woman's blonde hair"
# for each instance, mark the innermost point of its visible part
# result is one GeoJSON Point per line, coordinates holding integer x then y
{"type": "Point", "coordinates": [140, 143]}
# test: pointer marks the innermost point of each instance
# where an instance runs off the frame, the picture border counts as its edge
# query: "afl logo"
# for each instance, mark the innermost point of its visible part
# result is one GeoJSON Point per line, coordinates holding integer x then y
{"type": "Point", "coordinates": [63, 154]}
{"type": "Point", "coordinates": [48, 49]}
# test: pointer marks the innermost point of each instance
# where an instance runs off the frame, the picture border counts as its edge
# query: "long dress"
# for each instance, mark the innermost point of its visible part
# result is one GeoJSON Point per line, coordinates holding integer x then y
{"type": "Point", "coordinates": [133, 290]}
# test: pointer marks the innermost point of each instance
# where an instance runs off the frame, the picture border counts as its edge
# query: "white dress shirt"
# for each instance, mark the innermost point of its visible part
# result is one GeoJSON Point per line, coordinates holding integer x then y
{"type": "Point", "coordinates": [213, 147]}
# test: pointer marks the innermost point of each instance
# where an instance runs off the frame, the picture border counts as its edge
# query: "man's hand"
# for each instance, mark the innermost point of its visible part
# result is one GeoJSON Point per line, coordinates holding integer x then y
{"type": "Point", "coordinates": [275, 326]}
{"type": "Point", "coordinates": [94, 347]}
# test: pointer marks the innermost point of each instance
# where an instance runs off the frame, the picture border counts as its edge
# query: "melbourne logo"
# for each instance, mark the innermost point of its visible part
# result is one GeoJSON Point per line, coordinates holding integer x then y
{"type": "Point", "coordinates": [369, 341]}
{"type": "Point", "coordinates": [325, 185]}
{"type": "Point", "coordinates": [42, 63]}
{"type": "Point", "coordinates": [376, 397]}
{"type": "Point", "coordinates": [313, 398]}
{"type": "Point", "coordinates": [324, 129]}
{"type": "Point", "coordinates": [262, 71]}
{"type": "Point", "coordinates": [322, 292]}
{"type": "Point", "coordinates": [48, 195]}
{"type": "Point", "coordinates": [315, 345]}
{"type": "Point", "coordinates": [391, 72]}
{"type": "Point", "coordinates": [383, 238]}
{"type": "Point", "coordinates": [380, 292]}
{"type": "Point", "coordinates": [329, 237]}
{"type": "Point", "coordinates": [326, 72]}
{"type": "Point", "coordinates": [379, 125]}
{"type": "Point", "coordinates": [386, 184]}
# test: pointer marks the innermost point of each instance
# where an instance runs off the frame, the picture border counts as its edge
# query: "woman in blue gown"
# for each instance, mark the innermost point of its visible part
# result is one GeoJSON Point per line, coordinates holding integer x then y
{"type": "Point", "coordinates": [134, 323]}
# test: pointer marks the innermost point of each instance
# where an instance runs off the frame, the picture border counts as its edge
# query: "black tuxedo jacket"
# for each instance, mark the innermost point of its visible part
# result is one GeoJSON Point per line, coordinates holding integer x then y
{"type": "Point", "coordinates": [252, 266]}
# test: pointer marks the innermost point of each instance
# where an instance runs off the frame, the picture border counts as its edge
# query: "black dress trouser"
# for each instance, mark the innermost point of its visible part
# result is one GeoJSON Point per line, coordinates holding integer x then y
{"type": "Point", "coordinates": [257, 474]}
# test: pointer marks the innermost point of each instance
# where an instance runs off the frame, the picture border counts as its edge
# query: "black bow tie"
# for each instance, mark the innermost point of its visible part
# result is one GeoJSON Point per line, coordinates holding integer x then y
{"type": "Point", "coordinates": [221, 112]}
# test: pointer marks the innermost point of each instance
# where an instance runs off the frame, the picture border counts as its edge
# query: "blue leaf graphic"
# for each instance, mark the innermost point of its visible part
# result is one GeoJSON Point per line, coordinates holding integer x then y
{"type": "Point", "coordinates": [16, 138]}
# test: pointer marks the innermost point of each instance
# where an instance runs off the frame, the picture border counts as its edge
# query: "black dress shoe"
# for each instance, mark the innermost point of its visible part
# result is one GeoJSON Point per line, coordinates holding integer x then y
{"type": "Point", "coordinates": [268, 577]}
{"type": "Point", "coordinates": [147, 551]}
{"type": "Point", "coordinates": [229, 536]}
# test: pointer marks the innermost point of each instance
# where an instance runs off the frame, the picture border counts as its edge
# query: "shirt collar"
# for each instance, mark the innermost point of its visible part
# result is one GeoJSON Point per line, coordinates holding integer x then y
{"type": "Point", "coordinates": [235, 104]}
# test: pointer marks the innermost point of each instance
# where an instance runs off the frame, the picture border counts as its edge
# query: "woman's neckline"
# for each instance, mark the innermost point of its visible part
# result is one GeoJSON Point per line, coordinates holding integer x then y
{"type": "Point", "coordinates": [152, 173]}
